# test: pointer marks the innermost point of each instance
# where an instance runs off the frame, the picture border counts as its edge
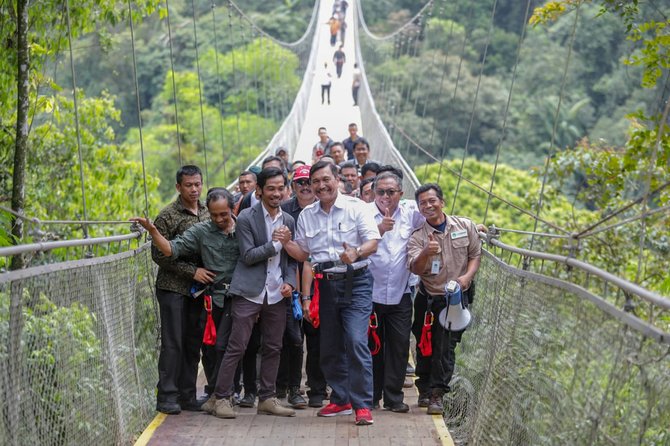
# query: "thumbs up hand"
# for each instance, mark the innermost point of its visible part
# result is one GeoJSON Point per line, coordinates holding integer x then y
{"type": "Point", "coordinates": [433, 246]}
{"type": "Point", "coordinates": [349, 255]}
{"type": "Point", "coordinates": [387, 222]}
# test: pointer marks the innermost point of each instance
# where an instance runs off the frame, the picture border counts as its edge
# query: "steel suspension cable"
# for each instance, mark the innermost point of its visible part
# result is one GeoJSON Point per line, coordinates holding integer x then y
{"type": "Point", "coordinates": [234, 71]}
{"type": "Point", "coordinates": [174, 82]}
{"type": "Point", "coordinates": [481, 188]}
{"type": "Point", "coordinates": [474, 102]}
{"type": "Point", "coordinates": [139, 109]}
{"type": "Point", "coordinates": [556, 117]}
{"type": "Point", "coordinates": [219, 91]}
{"type": "Point", "coordinates": [507, 107]}
{"type": "Point", "coordinates": [202, 113]}
{"type": "Point", "coordinates": [445, 139]}
{"type": "Point", "coordinates": [647, 186]}
{"type": "Point", "coordinates": [76, 119]}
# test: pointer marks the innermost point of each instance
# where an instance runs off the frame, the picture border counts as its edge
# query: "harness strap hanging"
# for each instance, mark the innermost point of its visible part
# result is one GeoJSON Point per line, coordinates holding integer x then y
{"type": "Point", "coordinates": [209, 336]}
{"type": "Point", "coordinates": [314, 305]}
{"type": "Point", "coordinates": [426, 341]}
{"type": "Point", "coordinates": [373, 336]}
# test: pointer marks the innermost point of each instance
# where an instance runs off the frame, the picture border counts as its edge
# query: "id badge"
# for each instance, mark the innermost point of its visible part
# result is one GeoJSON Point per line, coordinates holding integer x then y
{"type": "Point", "coordinates": [435, 267]}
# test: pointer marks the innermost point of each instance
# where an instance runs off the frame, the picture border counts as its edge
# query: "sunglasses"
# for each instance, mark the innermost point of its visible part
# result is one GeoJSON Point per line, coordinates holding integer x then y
{"type": "Point", "coordinates": [302, 182]}
{"type": "Point", "coordinates": [389, 192]}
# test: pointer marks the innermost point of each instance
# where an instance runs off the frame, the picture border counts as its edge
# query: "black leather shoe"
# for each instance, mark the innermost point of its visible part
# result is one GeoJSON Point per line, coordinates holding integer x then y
{"type": "Point", "coordinates": [295, 399]}
{"type": "Point", "coordinates": [193, 405]}
{"type": "Point", "coordinates": [315, 401]}
{"type": "Point", "coordinates": [424, 399]}
{"type": "Point", "coordinates": [168, 407]}
{"type": "Point", "coordinates": [249, 400]}
{"type": "Point", "coordinates": [398, 408]}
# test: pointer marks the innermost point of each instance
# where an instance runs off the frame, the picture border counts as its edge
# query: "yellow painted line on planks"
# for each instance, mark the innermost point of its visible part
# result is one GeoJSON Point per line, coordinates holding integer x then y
{"type": "Point", "coordinates": [149, 431]}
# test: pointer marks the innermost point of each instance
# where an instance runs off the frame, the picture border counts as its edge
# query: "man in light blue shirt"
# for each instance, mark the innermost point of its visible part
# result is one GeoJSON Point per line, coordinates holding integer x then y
{"type": "Point", "coordinates": [391, 296]}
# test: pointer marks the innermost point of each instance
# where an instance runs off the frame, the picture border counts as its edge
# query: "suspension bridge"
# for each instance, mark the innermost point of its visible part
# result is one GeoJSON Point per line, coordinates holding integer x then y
{"type": "Point", "coordinates": [560, 351]}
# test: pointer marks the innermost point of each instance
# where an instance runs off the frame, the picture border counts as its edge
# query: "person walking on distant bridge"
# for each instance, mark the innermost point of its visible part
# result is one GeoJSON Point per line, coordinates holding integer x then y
{"type": "Point", "coordinates": [326, 80]}
{"type": "Point", "coordinates": [445, 248]}
{"type": "Point", "coordinates": [180, 314]}
{"type": "Point", "coordinates": [339, 58]}
{"type": "Point", "coordinates": [334, 24]}
{"type": "Point", "coordinates": [356, 83]}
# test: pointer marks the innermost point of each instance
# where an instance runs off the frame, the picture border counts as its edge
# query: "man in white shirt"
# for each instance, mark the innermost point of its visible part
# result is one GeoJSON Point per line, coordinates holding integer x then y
{"type": "Point", "coordinates": [264, 276]}
{"type": "Point", "coordinates": [339, 234]}
{"type": "Point", "coordinates": [391, 296]}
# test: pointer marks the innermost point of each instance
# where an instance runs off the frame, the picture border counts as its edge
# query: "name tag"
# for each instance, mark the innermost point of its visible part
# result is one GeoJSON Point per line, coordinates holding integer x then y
{"type": "Point", "coordinates": [459, 234]}
{"type": "Point", "coordinates": [435, 267]}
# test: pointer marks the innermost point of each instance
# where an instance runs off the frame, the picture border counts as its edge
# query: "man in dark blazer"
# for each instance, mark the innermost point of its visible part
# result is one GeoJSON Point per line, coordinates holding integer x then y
{"type": "Point", "coordinates": [264, 276]}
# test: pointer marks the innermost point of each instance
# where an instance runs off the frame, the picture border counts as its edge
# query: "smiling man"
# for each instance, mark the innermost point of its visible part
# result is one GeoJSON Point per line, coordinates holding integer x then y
{"type": "Point", "coordinates": [445, 248]}
{"type": "Point", "coordinates": [339, 234]}
{"type": "Point", "coordinates": [264, 276]}
{"type": "Point", "coordinates": [391, 292]}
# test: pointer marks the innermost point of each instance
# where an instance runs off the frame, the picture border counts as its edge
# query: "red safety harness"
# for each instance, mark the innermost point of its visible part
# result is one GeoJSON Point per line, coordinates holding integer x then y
{"type": "Point", "coordinates": [209, 337]}
{"type": "Point", "coordinates": [425, 343]}
{"type": "Point", "coordinates": [373, 338]}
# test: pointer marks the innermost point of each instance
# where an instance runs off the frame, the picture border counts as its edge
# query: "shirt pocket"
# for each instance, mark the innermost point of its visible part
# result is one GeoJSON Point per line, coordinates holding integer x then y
{"type": "Point", "coordinates": [346, 232]}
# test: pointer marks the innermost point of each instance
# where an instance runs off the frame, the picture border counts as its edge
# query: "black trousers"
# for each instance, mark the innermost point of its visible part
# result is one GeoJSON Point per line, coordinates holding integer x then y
{"type": "Point", "coordinates": [290, 362]}
{"type": "Point", "coordinates": [315, 379]}
{"type": "Point", "coordinates": [434, 372]}
{"type": "Point", "coordinates": [182, 326]}
{"type": "Point", "coordinates": [325, 89]}
{"type": "Point", "coordinates": [213, 354]}
{"type": "Point", "coordinates": [390, 364]}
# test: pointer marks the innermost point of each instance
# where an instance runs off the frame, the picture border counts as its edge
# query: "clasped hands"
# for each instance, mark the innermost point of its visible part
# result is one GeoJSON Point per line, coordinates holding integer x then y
{"type": "Point", "coordinates": [282, 235]}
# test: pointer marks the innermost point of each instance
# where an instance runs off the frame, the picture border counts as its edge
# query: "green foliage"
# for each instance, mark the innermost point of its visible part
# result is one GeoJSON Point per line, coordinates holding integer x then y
{"type": "Point", "coordinates": [62, 365]}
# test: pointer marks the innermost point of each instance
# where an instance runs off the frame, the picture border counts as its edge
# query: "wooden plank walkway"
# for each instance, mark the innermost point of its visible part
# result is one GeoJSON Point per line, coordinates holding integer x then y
{"type": "Point", "coordinates": [250, 429]}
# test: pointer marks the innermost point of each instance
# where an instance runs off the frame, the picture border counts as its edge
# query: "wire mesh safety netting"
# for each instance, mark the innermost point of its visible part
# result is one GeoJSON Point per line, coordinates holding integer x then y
{"type": "Point", "coordinates": [78, 351]}
{"type": "Point", "coordinates": [542, 364]}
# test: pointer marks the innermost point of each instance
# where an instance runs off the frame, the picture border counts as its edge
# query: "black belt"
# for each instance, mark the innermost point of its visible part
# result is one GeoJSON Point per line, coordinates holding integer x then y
{"type": "Point", "coordinates": [343, 275]}
{"type": "Point", "coordinates": [319, 267]}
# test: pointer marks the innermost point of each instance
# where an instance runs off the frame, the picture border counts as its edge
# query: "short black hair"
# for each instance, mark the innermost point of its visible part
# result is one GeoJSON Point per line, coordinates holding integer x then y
{"type": "Point", "coordinates": [188, 170]}
{"type": "Point", "coordinates": [247, 172]}
{"type": "Point", "coordinates": [220, 193]}
{"type": "Point", "coordinates": [370, 167]}
{"type": "Point", "coordinates": [320, 165]}
{"type": "Point", "coordinates": [426, 187]}
{"type": "Point", "coordinates": [348, 165]}
{"type": "Point", "coordinates": [362, 141]}
{"type": "Point", "coordinates": [365, 182]}
{"type": "Point", "coordinates": [336, 143]}
{"type": "Point", "coordinates": [391, 168]}
{"type": "Point", "coordinates": [268, 173]}
{"type": "Point", "coordinates": [271, 158]}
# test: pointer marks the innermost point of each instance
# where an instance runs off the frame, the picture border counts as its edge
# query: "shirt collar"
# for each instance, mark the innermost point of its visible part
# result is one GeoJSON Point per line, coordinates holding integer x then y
{"type": "Point", "coordinates": [266, 214]}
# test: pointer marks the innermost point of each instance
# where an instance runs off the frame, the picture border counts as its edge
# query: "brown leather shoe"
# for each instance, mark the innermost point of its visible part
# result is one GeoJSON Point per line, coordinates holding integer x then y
{"type": "Point", "coordinates": [435, 406]}
{"type": "Point", "coordinates": [272, 406]}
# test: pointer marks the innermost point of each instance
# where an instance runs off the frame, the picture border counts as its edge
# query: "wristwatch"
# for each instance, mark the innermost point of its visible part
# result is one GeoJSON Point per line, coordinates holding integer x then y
{"type": "Point", "coordinates": [359, 252]}
{"type": "Point", "coordinates": [303, 298]}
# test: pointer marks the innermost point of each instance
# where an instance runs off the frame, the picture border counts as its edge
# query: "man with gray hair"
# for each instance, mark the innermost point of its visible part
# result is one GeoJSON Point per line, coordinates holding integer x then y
{"type": "Point", "coordinates": [391, 296]}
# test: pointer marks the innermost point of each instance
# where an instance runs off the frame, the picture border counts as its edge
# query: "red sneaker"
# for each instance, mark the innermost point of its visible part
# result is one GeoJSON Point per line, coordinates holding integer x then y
{"type": "Point", "coordinates": [363, 417]}
{"type": "Point", "coordinates": [333, 409]}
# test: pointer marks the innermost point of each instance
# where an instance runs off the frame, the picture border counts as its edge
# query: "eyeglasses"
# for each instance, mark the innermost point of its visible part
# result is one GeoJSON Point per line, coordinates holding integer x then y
{"type": "Point", "coordinates": [389, 192]}
{"type": "Point", "coordinates": [302, 182]}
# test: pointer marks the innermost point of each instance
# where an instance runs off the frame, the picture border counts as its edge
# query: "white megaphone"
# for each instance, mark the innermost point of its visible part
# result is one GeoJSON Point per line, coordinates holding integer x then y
{"type": "Point", "coordinates": [455, 316]}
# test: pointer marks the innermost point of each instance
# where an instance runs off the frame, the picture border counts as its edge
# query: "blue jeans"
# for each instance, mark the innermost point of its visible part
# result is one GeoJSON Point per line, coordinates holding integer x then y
{"type": "Point", "coordinates": [345, 356]}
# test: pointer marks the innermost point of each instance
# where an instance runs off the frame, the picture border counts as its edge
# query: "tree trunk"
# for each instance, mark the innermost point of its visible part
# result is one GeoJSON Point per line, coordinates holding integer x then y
{"type": "Point", "coordinates": [16, 387]}
{"type": "Point", "coordinates": [21, 147]}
